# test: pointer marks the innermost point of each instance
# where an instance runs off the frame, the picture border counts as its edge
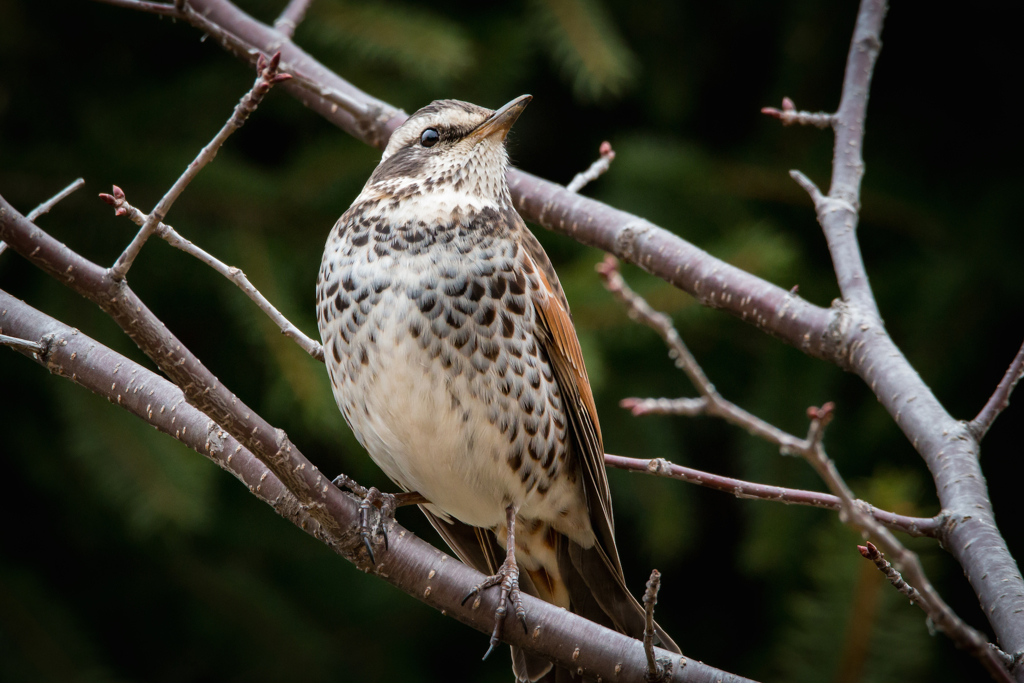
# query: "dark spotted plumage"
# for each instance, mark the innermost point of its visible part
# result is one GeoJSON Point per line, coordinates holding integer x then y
{"type": "Point", "coordinates": [452, 356]}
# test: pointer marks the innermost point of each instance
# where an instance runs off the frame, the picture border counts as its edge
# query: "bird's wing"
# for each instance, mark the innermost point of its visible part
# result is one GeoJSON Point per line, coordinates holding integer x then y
{"type": "Point", "coordinates": [557, 336]}
{"type": "Point", "coordinates": [599, 567]}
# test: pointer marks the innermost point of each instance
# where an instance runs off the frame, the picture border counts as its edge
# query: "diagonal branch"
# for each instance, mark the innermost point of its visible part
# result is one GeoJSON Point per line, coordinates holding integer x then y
{"type": "Point", "coordinates": [595, 170]}
{"type": "Point", "coordinates": [123, 208]}
{"type": "Point", "coordinates": [1000, 398]}
{"type": "Point", "coordinates": [292, 16]}
{"type": "Point", "coordinates": [941, 614]}
{"type": "Point", "coordinates": [267, 76]}
{"type": "Point", "coordinates": [710, 402]}
{"type": "Point", "coordinates": [45, 207]}
{"type": "Point", "coordinates": [659, 467]}
{"type": "Point", "coordinates": [409, 563]}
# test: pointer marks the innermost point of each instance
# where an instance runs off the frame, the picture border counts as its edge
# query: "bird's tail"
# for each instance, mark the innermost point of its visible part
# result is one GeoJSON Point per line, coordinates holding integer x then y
{"type": "Point", "coordinates": [597, 592]}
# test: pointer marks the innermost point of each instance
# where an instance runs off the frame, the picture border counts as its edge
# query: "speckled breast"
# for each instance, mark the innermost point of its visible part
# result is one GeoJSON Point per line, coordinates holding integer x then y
{"type": "Point", "coordinates": [428, 336]}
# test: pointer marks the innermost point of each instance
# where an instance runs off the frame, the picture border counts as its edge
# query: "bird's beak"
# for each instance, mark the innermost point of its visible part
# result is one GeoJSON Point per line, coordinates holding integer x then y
{"type": "Point", "coordinates": [501, 121]}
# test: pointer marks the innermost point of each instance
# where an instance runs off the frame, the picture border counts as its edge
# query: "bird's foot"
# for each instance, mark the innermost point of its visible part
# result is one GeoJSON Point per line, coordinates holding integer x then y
{"type": "Point", "coordinates": [387, 503]}
{"type": "Point", "coordinates": [508, 579]}
{"type": "Point", "coordinates": [371, 498]}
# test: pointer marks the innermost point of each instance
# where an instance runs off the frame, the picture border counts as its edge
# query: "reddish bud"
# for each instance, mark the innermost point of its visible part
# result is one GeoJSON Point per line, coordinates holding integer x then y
{"type": "Point", "coordinates": [281, 77]}
{"type": "Point", "coordinates": [869, 551]}
{"type": "Point", "coordinates": [787, 104]}
{"type": "Point", "coordinates": [118, 193]}
{"type": "Point", "coordinates": [261, 63]}
{"type": "Point", "coordinates": [109, 199]}
{"type": "Point", "coordinates": [275, 60]}
{"type": "Point", "coordinates": [120, 211]}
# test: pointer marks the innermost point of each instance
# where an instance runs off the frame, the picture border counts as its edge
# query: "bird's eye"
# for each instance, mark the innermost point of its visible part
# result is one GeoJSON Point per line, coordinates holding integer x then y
{"type": "Point", "coordinates": [429, 137]}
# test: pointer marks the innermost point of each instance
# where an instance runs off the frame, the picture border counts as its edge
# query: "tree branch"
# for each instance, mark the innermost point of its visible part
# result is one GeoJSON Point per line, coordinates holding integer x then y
{"type": "Point", "coordinates": [21, 344]}
{"type": "Point", "coordinates": [851, 510]}
{"type": "Point", "coordinates": [595, 170]}
{"type": "Point", "coordinates": [292, 16]}
{"type": "Point", "coordinates": [789, 115]}
{"type": "Point", "coordinates": [710, 402]}
{"type": "Point", "coordinates": [657, 670]}
{"type": "Point", "coordinates": [965, 637]}
{"type": "Point", "coordinates": [659, 467]}
{"type": "Point", "coordinates": [68, 353]}
{"type": "Point", "coordinates": [267, 76]}
{"type": "Point", "coordinates": [409, 563]}
{"type": "Point", "coordinates": [45, 207]}
{"type": "Point", "coordinates": [1000, 398]}
{"type": "Point", "coordinates": [235, 275]}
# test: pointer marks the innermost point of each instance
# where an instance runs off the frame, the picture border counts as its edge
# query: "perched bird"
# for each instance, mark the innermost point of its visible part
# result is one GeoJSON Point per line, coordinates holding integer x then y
{"type": "Point", "coordinates": [453, 357]}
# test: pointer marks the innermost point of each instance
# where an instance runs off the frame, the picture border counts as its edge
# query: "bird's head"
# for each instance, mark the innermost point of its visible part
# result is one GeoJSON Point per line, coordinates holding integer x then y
{"type": "Point", "coordinates": [449, 149]}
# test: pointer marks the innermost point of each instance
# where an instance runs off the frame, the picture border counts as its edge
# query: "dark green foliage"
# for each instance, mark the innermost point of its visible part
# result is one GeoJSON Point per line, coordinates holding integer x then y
{"type": "Point", "coordinates": [127, 557]}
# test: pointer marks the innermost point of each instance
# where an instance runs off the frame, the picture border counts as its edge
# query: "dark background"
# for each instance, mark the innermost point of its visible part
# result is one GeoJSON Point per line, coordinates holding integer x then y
{"type": "Point", "coordinates": [126, 557]}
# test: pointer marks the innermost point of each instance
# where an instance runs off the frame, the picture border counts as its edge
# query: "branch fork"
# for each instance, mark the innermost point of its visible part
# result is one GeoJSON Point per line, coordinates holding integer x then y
{"type": "Point", "coordinates": [267, 77]}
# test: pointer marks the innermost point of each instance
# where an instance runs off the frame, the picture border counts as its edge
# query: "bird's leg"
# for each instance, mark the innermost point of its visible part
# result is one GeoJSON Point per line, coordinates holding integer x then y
{"type": "Point", "coordinates": [386, 502]}
{"type": "Point", "coordinates": [508, 578]}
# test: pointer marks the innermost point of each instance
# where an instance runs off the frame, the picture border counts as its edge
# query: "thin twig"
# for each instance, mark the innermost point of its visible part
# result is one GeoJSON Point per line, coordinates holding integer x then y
{"type": "Point", "coordinates": [21, 344]}
{"type": "Point", "coordinates": [789, 115]}
{"type": "Point", "coordinates": [245, 49]}
{"type": "Point", "coordinates": [870, 552]}
{"type": "Point", "coordinates": [267, 77]}
{"type": "Point", "coordinates": [655, 669]}
{"type": "Point", "coordinates": [48, 204]}
{"type": "Point", "coordinates": [596, 169]}
{"type": "Point", "coordinates": [999, 399]}
{"type": "Point", "coordinates": [292, 16]}
{"type": "Point", "coordinates": [710, 402]}
{"type": "Point", "coordinates": [659, 467]}
{"type": "Point", "coordinates": [123, 208]}
{"type": "Point", "coordinates": [838, 210]}
{"type": "Point", "coordinates": [45, 207]}
{"type": "Point", "coordinates": [160, 8]}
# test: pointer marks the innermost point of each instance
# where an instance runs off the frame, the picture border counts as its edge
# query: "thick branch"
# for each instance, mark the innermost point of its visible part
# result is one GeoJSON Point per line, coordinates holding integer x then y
{"type": "Point", "coordinates": [1000, 398]}
{"type": "Point", "coordinates": [410, 563]}
{"type": "Point", "coordinates": [68, 353]}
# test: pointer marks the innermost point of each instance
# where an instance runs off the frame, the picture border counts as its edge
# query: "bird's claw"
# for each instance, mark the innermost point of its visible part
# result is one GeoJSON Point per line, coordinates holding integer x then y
{"type": "Point", "coordinates": [371, 498]}
{"type": "Point", "coordinates": [508, 579]}
{"type": "Point", "coordinates": [369, 532]}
